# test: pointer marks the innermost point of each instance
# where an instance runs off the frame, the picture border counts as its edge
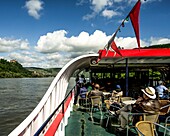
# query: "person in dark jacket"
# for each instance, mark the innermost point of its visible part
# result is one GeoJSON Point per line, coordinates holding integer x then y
{"type": "Point", "coordinates": [145, 104]}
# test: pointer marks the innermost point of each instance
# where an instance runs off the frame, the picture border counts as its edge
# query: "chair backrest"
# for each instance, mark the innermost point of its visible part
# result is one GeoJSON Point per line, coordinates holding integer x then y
{"type": "Point", "coordinates": [96, 100]}
{"type": "Point", "coordinates": [107, 104]}
{"type": "Point", "coordinates": [165, 106]}
{"type": "Point", "coordinates": [167, 123]}
{"type": "Point", "coordinates": [151, 117]}
{"type": "Point", "coordinates": [145, 127]}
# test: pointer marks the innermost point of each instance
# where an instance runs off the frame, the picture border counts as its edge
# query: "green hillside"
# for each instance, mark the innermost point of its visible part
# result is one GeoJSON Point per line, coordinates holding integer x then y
{"type": "Point", "coordinates": [159, 46]}
{"type": "Point", "coordinates": [41, 72]}
{"type": "Point", "coordinates": [13, 69]}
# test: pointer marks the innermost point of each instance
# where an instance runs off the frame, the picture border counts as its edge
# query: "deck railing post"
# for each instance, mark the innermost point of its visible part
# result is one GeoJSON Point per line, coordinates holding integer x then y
{"type": "Point", "coordinates": [63, 108]}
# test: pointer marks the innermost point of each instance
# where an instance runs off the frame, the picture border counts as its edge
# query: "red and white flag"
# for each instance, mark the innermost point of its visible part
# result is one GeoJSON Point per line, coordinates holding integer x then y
{"type": "Point", "coordinates": [134, 17]}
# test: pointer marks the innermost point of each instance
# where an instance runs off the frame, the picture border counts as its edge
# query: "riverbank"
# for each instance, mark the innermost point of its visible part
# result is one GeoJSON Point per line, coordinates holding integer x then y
{"type": "Point", "coordinates": [13, 69]}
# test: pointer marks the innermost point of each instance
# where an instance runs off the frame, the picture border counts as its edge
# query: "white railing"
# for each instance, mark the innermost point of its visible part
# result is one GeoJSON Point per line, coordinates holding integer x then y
{"type": "Point", "coordinates": [52, 99]}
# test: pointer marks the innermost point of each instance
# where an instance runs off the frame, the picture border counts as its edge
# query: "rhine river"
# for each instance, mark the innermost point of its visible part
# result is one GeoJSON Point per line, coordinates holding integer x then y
{"type": "Point", "coordinates": [18, 97]}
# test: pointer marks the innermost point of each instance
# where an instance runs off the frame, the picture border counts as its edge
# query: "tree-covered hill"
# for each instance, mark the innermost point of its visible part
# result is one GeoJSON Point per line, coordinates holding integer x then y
{"type": "Point", "coordinates": [159, 46]}
{"type": "Point", "coordinates": [41, 72]}
{"type": "Point", "coordinates": [13, 69]}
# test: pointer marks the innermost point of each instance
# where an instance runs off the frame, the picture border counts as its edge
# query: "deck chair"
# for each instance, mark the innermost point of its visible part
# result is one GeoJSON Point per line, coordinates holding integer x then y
{"type": "Point", "coordinates": [167, 123]}
{"type": "Point", "coordinates": [96, 102]}
{"type": "Point", "coordinates": [143, 117]}
{"type": "Point", "coordinates": [81, 101]}
{"type": "Point", "coordinates": [110, 113]}
{"type": "Point", "coordinates": [165, 106]}
{"type": "Point", "coordinates": [146, 128]}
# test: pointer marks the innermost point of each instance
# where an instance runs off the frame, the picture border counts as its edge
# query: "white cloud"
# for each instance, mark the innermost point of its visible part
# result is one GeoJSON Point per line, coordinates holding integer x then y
{"type": "Point", "coordinates": [34, 7]}
{"type": "Point", "coordinates": [8, 45]}
{"type": "Point", "coordinates": [110, 13]}
{"type": "Point", "coordinates": [129, 42]}
{"type": "Point", "coordinates": [80, 2]}
{"type": "Point", "coordinates": [155, 41]}
{"type": "Point", "coordinates": [103, 7]}
{"type": "Point", "coordinates": [118, 1]}
{"type": "Point", "coordinates": [55, 49]}
{"type": "Point", "coordinates": [22, 58]}
{"type": "Point", "coordinates": [85, 42]}
{"type": "Point", "coordinates": [53, 42]}
{"type": "Point", "coordinates": [57, 41]}
{"type": "Point", "coordinates": [89, 16]}
{"type": "Point", "coordinates": [97, 6]}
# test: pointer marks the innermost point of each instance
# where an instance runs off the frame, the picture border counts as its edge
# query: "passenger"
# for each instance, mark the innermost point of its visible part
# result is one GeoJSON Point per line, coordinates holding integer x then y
{"type": "Point", "coordinates": [89, 86]}
{"type": "Point", "coordinates": [109, 87]}
{"type": "Point", "coordinates": [83, 91]}
{"type": "Point", "coordinates": [78, 85]}
{"type": "Point", "coordinates": [117, 92]}
{"type": "Point", "coordinates": [162, 90]}
{"type": "Point", "coordinates": [82, 80]}
{"type": "Point", "coordinates": [145, 104]}
{"type": "Point", "coordinates": [96, 92]}
{"type": "Point", "coordinates": [115, 98]}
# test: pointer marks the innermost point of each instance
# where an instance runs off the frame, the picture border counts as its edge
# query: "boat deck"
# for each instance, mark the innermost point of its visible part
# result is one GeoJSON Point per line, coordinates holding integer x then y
{"type": "Point", "coordinates": [80, 124]}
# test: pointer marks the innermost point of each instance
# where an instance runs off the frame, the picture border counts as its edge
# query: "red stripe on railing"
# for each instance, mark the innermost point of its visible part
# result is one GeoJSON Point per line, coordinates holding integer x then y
{"type": "Point", "coordinates": [54, 126]}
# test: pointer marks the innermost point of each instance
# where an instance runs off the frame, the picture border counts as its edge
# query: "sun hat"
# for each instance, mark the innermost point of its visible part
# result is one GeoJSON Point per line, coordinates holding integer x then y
{"type": "Point", "coordinates": [150, 92]}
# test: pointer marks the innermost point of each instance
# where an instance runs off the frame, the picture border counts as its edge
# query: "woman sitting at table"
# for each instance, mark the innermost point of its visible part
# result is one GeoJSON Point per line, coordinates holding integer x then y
{"type": "Point", "coordinates": [116, 94]}
{"type": "Point", "coordinates": [115, 98]}
{"type": "Point", "coordinates": [145, 104]}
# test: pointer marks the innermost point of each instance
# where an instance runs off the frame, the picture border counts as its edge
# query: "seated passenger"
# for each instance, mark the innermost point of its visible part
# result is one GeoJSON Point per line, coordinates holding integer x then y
{"type": "Point", "coordinates": [83, 91]}
{"type": "Point", "coordinates": [89, 86]}
{"type": "Point", "coordinates": [117, 92]}
{"type": "Point", "coordinates": [96, 92]}
{"type": "Point", "coordinates": [115, 98]}
{"type": "Point", "coordinates": [162, 90]}
{"type": "Point", "coordinates": [147, 103]}
{"type": "Point", "coordinates": [109, 87]}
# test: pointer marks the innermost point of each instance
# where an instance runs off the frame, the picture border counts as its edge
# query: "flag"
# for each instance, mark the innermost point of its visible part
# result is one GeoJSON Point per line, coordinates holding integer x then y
{"type": "Point", "coordinates": [111, 43]}
{"type": "Point", "coordinates": [114, 47]}
{"type": "Point", "coordinates": [134, 17]}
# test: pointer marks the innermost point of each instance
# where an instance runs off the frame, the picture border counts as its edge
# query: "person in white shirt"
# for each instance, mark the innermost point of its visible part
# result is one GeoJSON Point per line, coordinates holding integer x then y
{"type": "Point", "coordinates": [161, 89]}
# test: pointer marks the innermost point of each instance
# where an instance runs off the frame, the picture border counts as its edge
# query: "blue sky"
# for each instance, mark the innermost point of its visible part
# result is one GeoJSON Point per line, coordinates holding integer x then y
{"type": "Point", "coordinates": [48, 33]}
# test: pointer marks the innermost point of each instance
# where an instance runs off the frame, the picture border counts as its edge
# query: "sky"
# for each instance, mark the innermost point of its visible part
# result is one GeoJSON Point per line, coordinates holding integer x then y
{"type": "Point", "coordinates": [49, 33]}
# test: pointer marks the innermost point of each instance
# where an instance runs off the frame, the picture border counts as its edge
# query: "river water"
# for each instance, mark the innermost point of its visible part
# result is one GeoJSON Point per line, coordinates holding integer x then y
{"type": "Point", "coordinates": [18, 97]}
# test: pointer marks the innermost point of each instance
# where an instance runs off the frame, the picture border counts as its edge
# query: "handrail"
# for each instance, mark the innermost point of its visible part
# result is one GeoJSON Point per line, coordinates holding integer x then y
{"type": "Point", "coordinates": [51, 99]}
{"type": "Point", "coordinates": [49, 118]}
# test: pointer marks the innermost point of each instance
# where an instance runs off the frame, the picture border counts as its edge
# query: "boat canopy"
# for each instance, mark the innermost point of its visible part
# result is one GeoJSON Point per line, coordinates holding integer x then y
{"type": "Point", "coordinates": [136, 56]}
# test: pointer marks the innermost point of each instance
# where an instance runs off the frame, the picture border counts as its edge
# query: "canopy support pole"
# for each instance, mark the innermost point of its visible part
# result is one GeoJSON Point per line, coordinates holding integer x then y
{"type": "Point", "coordinates": [127, 76]}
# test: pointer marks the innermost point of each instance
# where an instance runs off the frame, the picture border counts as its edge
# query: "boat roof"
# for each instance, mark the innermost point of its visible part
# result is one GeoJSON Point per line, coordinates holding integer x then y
{"type": "Point", "coordinates": [136, 56]}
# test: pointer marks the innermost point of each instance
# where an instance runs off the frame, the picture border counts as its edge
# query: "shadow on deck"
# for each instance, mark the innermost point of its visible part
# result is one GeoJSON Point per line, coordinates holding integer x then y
{"type": "Point", "coordinates": [80, 124]}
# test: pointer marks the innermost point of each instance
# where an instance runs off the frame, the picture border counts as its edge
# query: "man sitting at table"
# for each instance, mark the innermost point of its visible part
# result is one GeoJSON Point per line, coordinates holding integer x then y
{"type": "Point", "coordinates": [96, 92]}
{"type": "Point", "coordinates": [145, 104]}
